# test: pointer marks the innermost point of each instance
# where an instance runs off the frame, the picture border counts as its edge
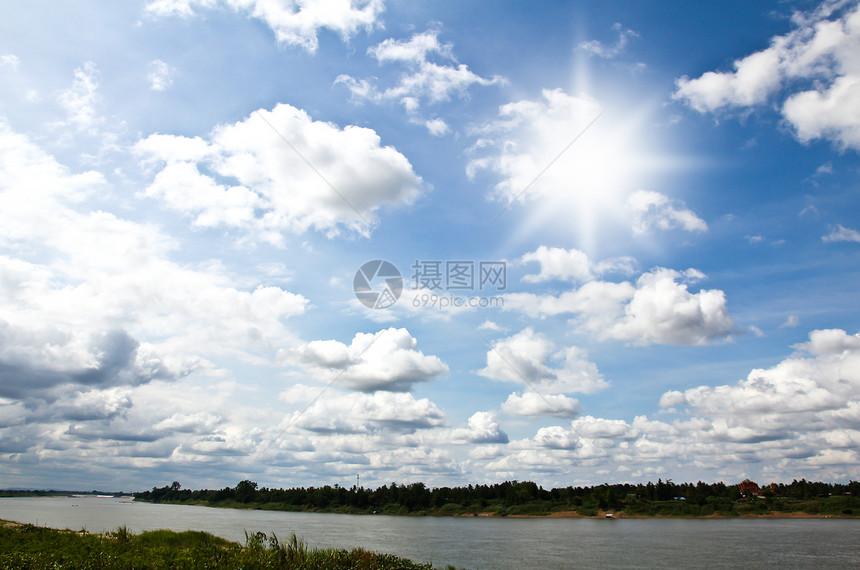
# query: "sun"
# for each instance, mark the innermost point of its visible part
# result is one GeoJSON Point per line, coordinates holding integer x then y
{"type": "Point", "coordinates": [573, 162]}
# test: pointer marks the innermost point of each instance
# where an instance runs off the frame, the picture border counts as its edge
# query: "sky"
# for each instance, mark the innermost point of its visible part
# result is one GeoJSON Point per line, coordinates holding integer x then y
{"type": "Point", "coordinates": [303, 241]}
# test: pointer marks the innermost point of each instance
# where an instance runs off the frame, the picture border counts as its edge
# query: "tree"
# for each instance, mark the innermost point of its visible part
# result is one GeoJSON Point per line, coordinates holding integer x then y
{"type": "Point", "coordinates": [245, 491]}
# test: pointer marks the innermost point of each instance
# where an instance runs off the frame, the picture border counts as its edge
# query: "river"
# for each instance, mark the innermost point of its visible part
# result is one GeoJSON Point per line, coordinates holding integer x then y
{"type": "Point", "coordinates": [468, 542]}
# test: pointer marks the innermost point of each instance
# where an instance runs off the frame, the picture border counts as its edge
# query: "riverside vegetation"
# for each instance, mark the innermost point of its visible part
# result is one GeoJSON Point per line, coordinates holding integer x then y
{"type": "Point", "coordinates": [25, 547]}
{"type": "Point", "coordinates": [513, 498]}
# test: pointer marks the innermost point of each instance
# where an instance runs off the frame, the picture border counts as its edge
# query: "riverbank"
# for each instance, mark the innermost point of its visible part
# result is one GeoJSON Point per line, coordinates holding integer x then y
{"type": "Point", "coordinates": [29, 546]}
{"type": "Point", "coordinates": [822, 508]}
{"type": "Point", "coordinates": [527, 499]}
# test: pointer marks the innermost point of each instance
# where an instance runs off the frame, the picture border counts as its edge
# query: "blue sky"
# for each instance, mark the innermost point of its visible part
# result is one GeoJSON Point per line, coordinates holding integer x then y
{"type": "Point", "coordinates": [189, 187]}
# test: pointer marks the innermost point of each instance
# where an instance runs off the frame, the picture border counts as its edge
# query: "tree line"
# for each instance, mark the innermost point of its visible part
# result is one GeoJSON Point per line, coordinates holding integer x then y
{"type": "Point", "coordinates": [526, 497]}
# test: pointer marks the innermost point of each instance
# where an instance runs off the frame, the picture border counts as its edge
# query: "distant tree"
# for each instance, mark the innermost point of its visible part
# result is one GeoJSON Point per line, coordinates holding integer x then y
{"type": "Point", "coordinates": [245, 491]}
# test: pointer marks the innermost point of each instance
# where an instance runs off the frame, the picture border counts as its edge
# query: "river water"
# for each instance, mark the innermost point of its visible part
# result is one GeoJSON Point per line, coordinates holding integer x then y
{"type": "Point", "coordinates": [469, 542]}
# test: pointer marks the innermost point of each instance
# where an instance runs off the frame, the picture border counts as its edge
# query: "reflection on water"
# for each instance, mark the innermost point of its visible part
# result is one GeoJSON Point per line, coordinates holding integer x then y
{"type": "Point", "coordinates": [488, 542]}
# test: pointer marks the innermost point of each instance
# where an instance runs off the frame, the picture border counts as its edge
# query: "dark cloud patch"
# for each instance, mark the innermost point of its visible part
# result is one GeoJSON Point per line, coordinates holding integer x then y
{"type": "Point", "coordinates": [39, 364]}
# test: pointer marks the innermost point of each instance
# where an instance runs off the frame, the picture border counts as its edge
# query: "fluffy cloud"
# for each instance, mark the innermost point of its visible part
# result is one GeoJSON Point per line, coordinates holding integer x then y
{"type": "Point", "coordinates": [529, 134]}
{"type": "Point", "coordinates": [573, 265]}
{"type": "Point", "coordinates": [79, 100]}
{"type": "Point", "coordinates": [424, 80]}
{"type": "Point", "coordinates": [841, 233]}
{"type": "Point", "coordinates": [804, 397]}
{"type": "Point", "coordinates": [368, 413]}
{"type": "Point", "coordinates": [820, 55]}
{"type": "Point", "coordinates": [317, 176]}
{"type": "Point", "coordinates": [800, 417]}
{"type": "Point", "coordinates": [532, 404]}
{"type": "Point", "coordinates": [482, 427]}
{"type": "Point", "coordinates": [652, 210]}
{"type": "Point", "coordinates": [386, 360]}
{"type": "Point", "coordinates": [92, 300]}
{"type": "Point", "coordinates": [527, 357]}
{"type": "Point", "coordinates": [659, 308]}
{"type": "Point", "coordinates": [294, 22]}
{"type": "Point", "coordinates": [160, 75]}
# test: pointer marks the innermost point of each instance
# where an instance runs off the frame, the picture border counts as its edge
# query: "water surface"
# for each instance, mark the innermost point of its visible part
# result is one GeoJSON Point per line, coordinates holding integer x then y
{"type": "Point", "coordinates": [470, 542]}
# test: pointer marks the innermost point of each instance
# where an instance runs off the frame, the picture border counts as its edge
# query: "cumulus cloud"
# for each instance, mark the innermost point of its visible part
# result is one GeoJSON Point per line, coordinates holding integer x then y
{"type": "Point", "coordinates": [369, 413]}
{"type": "Point", "coordinates": [532, 404]}
{"type": "Point", "coordinates": [841, 233]}
{"type": "Point", "coordinates": [528, 357]}
{"type": "Point", "coordinates": [387, 360]}
{"type": "Point", "coordinates": [800, 417]}
{"type": "Point", "coordinates": [653, 210]}
{"type": "Point", "coordinates": [803, 394]}
{"type": "Point", "coordinates": [437, 127]}
{"type": "Point", "coordinates": [102, 304]}
{"type": "Point", "coordinates": [294, 22]}
{"type": "Point", "coordinates": [34, 362]}
{"type": "Point", "coordinates": [814, 68]}
{"type": "Point", "coordinates": [482, 427]}
{"type": "Point", "coordinates": [572, 265]}
{"type": "Point", "coordinates": [659, 308]}
{"type": "Point", "coordinates": [324, 177]}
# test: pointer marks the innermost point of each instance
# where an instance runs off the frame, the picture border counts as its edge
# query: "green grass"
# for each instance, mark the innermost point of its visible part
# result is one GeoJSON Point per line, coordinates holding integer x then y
{"type": "Point", "coordinates": [31, 547]}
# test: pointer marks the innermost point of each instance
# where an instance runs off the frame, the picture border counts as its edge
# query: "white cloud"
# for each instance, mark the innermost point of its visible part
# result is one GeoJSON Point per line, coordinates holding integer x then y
{"type": "Point", "coordinates": [841, 233]}
{"type": "Point", "coordinates": [801, 394]}
{"type": "Point", "coordinates": [9, 60]}
{"type": "Point", "coordinates": [386, 360]}
{"type": "Point", "coordinates": [424, 80]}
{"type": "Point", "coordinates": [527, 358]}
{"type": "Point", "coordinates": [294, 22]}
{"type": "Point", "coordinates": [414, 50]}
{"type": "Point", "coordinates": [489, 325]}
{"type": "Point", "coordinates": [330, 179]}
{"type": "Point", "coordinates": [652, 210]}
{"type": "Point", "coordinates": [598, 49]}
{"type": "Point", "coordinates": [160, 75]}
{"type": "Point", "coordinates": [101, 303]}
{"type": "Point", "coordinates": [532, 134]}
{"type": "Point", "coordinates": [532, 404]}
{"type": "Point", "coordinates": [817, 66]}
{"type": "Point", "coordinates": [437, 127]}
{"type": "Point", "coordinates": [600, 428]}
{"type": "Point", "coordinates": [79, 100]}
{"type": "Point", "coordinates": [658, 309]}
{"type": "Point", "coordinates": [482, 427]}
{"type": "Point", "coordinates": [791, 321]}
{"type": "Point", "coordinates": [572, 265]}
{"type": "Point", "coordinates": [368, 413]}
{"type": "Point", "coordinates": [558, 263]}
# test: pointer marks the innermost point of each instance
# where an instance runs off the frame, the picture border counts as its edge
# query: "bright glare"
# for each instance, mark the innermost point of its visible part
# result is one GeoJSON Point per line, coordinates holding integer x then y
{"type": "Point", "coordinates": [577, 162]}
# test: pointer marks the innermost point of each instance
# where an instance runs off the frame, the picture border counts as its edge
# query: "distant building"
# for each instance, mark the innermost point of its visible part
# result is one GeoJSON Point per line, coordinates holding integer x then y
{"type": "Point", "coordinates": [747, 487]}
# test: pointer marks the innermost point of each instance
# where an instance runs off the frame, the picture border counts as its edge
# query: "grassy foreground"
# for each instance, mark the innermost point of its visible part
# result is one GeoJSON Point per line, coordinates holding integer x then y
{"type": "Point", "coordinates": [28, 546]}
